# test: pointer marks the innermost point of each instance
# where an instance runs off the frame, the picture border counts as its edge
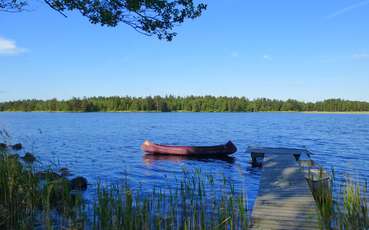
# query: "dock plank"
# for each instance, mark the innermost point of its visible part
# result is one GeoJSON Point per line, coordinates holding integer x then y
{"type": "Point", "coordinates": [284, 200]}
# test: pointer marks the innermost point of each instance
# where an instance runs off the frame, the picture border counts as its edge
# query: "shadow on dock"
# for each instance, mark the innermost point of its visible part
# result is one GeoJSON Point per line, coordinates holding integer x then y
{"type": "Point", "coordinates": [284, 200]}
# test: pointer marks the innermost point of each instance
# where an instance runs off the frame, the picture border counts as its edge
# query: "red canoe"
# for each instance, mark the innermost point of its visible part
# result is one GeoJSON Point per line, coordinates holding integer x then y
{"type": "Point", "coordinates": [217, 150]}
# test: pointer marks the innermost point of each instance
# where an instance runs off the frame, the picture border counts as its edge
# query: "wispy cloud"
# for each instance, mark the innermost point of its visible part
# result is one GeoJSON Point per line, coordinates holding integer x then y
{"type": "Point", "coordinates": [267, 57]}
{"type": "Point", "coordinates": [360, 56]}
{"type": "Point", "coordinates": [9, 47]}
{"type": "Point", "coordinates": [348, 8]}
{"type": "Point", "coordinates": [344, 58]}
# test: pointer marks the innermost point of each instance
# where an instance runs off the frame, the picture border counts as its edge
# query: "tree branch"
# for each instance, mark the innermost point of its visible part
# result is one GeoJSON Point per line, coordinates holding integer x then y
{"type": "Point", "coordinates": [52, 7]}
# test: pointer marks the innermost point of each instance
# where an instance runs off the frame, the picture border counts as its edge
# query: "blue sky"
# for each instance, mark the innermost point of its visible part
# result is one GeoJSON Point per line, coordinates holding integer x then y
{"type": "Point", "coordinates": [307, 50]}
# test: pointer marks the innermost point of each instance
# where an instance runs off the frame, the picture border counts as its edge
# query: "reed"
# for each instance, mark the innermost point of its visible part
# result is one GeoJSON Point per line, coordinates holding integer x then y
{"type": "Point", "coordinates": [18, 197]}
{"type": "Point", "coordinates": [354, 214]}
{"type": "Point", "coordinates": [347, 209]}
{"type": "Point", "coordinates": [321, 185]}
{"type": "Point", "coordinates": [195, 202]}
{"type": "Point", "coordinates": [26, 201]}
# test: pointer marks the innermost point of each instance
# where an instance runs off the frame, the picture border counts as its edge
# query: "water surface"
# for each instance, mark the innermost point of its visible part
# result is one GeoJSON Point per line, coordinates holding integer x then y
{"type": "Point", "coordinates": [106, 146]}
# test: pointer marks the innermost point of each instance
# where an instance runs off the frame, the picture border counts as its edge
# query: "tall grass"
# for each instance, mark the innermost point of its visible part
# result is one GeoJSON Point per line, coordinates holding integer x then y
{"type": "Point", "coordinates": [321, 185]}
{"type": "Point", "coordinates": [354, 214]}
{"type": "Point", "coordinates": [187, 205]}
{"type": "Point", "coordinates": [345, 211]}
{"type": "Point", "coordinates": [28, 201]}
{"type": "Point", "coordinates": [18, 197]}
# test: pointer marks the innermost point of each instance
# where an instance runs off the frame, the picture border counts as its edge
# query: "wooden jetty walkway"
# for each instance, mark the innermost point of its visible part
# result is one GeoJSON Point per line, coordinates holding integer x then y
{"type": "Point", "coordinates": [284, 200]}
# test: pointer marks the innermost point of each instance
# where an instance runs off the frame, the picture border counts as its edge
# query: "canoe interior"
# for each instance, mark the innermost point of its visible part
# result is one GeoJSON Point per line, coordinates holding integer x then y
{"type": "Point", "coordinates": [216, 150]}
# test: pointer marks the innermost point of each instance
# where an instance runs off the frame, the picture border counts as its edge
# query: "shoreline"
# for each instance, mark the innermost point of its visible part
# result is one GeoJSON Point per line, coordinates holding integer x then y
{"type": "Point", "coordinates": [326, 112]}
{"type": "Point", "coordinates": [304, 112]}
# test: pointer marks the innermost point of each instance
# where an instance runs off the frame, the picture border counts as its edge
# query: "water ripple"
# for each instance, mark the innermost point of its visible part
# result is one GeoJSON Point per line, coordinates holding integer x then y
{"type": "Point", "coordinates": [106, 146]}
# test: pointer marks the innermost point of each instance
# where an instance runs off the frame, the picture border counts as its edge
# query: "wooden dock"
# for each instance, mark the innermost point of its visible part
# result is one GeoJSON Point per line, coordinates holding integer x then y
{"type": "Point", "coordinates": [284, 200]}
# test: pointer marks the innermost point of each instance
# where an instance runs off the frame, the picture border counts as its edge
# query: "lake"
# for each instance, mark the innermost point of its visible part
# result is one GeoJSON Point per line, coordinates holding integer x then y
{"type": "Point", "coordinates": [106, 146]}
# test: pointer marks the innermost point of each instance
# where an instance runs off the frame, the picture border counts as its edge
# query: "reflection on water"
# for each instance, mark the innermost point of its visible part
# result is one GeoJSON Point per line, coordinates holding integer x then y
{"type": "Point", "coordinates": [106, 146]}
{"type": "Point", "coordinates": [152, 158]}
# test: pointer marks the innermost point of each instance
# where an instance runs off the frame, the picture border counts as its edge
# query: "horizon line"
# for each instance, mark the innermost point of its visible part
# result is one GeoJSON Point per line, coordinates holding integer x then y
{"type": "Point", "coordinates": [186, 96]}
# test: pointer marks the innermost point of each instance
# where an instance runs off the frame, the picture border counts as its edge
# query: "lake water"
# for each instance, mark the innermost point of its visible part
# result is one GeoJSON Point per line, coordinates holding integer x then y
{"type": "Point", "coordinates": [106, 146]}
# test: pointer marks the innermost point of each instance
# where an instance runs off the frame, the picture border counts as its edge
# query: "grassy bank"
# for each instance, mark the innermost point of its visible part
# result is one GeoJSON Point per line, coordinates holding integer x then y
{"type": "Point", "coordinates": [29, 201]}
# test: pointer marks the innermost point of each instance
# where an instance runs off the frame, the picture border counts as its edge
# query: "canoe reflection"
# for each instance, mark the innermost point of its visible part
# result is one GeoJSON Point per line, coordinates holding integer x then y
{"type": "Point", "coordinates": [151, 158]}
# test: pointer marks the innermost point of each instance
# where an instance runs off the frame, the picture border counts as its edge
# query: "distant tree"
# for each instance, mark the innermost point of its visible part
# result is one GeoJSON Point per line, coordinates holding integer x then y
{"type": "Point", "coordinates": [149, 17]}
{"type": "Point", "coordinates": [291, 105]}
{"type": "Point", "coordinates": [191, 103]}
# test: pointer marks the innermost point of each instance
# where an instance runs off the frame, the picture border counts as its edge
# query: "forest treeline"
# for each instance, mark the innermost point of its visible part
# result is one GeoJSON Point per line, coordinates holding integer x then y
{"type": "Point", "coordinates": [189, 103]}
